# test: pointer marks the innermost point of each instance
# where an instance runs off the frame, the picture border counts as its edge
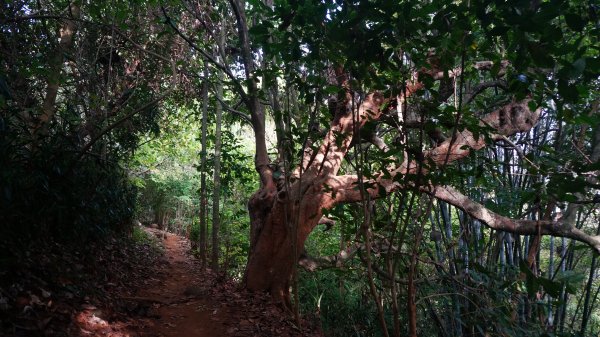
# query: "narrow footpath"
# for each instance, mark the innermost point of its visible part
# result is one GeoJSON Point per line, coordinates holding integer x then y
{"type": "Point", "coordinates": [178, 301]}
{"type": "Point", "coordinates": [181, 299]}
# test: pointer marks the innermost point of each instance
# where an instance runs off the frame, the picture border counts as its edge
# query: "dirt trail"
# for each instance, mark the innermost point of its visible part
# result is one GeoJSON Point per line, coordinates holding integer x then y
{"type": "Point", "coordinates": [185, 300]}
{"type": "Point", "coordinates": [80, 293]}
{"type": "Point", "coordinates": [178, 302]}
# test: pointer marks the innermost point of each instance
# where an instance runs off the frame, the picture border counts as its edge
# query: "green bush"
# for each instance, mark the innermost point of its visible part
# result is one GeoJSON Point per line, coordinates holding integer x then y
{"type": "Point", "coordinates": [194, 232]}
{"type": "Point", "coordinates": [47, 190]}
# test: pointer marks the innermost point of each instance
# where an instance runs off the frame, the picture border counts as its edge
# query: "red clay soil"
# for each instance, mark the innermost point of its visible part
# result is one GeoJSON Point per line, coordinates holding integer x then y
{"type": "Point", "coordinates": [179, 301]}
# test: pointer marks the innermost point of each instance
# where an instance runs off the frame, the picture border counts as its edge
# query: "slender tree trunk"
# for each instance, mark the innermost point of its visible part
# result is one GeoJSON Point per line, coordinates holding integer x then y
{"type": "Point", "coordinates": [550, 276]}
{"type": "Point", "coordinates": [588, 291]}
{"type": "Point", "coordinates": [216, 220]}
{"type": "Point", "coordinates": [411, 295]}
{"type": "Point", "coordinates": [563, 255]}
{"type": "Point", "coordinates": [65, 34]}
{"type": "Point", "coordinates": [203, 199]}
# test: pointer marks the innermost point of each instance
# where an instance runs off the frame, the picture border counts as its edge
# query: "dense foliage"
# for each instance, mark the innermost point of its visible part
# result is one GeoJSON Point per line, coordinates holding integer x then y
{"type": "Point", "coordinates": [74, 100]}
{"type": "Point", "coordinates": [468, 281]}
{"type": "Point", "coordinates": [165, 170]}
{"type": "Point", "coordinates": [103, 110]}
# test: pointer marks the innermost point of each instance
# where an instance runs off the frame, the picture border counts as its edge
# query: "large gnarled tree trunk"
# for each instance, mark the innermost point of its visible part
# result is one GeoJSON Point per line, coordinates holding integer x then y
{"type": "Point", "coordinates": [283, 215]}
{"type": "Point", "coordinates": [316, 186]}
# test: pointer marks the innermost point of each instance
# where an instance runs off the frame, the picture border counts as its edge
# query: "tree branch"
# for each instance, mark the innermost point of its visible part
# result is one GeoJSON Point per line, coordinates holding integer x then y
{"type": "Point", "coordinates": [561, 228]}
{"type": "Point", "coordinates": [499, 222]}
{"type": "Point", "coordinates": [206, 55]}
{"type": "Point", "coordinates": [332, 261]}
{"type": "Point", "coordinates": [346, 122]}
{"type": "Point", "coordinates": [257, 113]}
{"type": "Point", "coordinates": [506, 121]}
{"type": "Point", "coordinates": [481, 65]}
{"type": "Point", "coordinates": [238, 113]}
{"type": "Point", "coordinates": [482, 86]}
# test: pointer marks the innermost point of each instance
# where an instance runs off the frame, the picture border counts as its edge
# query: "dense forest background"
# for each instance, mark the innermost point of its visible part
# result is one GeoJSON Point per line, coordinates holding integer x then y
{"type": "Point", "coordinates": [467, 134]}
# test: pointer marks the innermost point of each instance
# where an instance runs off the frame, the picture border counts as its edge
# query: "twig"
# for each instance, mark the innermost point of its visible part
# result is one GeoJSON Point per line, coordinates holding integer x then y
{"type": "Point", "coordinates": [238, 113]}
{"type": "Point", "coordinates": [207, 56]}
{"type": "Point", "coordinates": [581, 153]}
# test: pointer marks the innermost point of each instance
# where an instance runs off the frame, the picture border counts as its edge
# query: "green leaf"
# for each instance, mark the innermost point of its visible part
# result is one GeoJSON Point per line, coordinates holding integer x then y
{"type": "Point", "coordinates": [540, 55]}
{"type": "Point", "coordinates": [578, 67]}
{"type": "Point", "coordinates": [575, 22]}
{"type": "Point", "coordinates": [568, 91]}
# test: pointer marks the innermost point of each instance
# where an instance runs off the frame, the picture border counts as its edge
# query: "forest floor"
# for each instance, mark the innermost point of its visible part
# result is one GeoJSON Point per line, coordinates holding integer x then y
{"type": "Point", "coordinates": [154, 289]}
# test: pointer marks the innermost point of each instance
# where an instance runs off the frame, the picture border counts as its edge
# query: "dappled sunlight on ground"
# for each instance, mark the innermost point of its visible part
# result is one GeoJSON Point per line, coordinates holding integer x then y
{"type": "Point", "coordinates": [90, 323]}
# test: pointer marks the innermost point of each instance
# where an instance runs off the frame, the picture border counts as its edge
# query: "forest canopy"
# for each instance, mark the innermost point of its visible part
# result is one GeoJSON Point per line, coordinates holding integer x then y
{"type": "Point", "coordinates": [392, 167]}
